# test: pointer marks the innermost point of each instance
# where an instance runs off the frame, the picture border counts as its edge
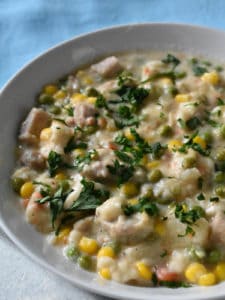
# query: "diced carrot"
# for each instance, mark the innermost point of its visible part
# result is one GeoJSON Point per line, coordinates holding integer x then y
{"type": "Point", "coordinates": [112, 146]}
{"type": "Point", "coordinates": [165, 275]}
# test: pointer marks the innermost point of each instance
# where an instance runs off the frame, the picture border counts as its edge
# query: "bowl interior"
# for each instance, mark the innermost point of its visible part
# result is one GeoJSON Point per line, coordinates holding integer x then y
{"type": "Point", "coordinates": [17, 97]}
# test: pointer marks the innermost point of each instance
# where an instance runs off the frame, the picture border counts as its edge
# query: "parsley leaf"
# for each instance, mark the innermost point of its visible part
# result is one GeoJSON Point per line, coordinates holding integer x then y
{"type": "Point", "coordinates": [201, 197]}
{"type": "Point", "coordinates": [90, 197]}
{"type": "Point", "coordinates": [198, 70]}
{"type": "Point", "coordinates": [220, 102]}
{"type": "Point", "coordinates": [121, 171]}
{"type": "Point", "coordinates": [54, 162]}
{"type": "Point", "coordinates": [193, 123]}
{"type": "Point", "coordinates": [171, 59]}
{"type": "Point", "coordinates": [80, 161]}
{"type": "Point", "coordinates": [143, 204]}
{"type": "Point", "coordinates": [72, 144]}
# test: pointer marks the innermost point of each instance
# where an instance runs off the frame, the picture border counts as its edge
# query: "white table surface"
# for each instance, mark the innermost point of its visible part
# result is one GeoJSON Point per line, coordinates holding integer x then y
{"type": "Point", "coordinates": [22, 279]}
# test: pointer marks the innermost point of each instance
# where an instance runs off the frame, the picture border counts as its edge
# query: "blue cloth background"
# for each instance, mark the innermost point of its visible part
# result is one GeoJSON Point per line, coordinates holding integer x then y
{"type": "Point", "coordinates": [29, 27]}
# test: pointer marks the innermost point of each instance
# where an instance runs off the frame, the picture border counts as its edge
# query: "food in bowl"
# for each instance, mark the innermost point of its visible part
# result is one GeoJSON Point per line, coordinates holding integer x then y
{"type": "Point", "coordinates": [122, 165]}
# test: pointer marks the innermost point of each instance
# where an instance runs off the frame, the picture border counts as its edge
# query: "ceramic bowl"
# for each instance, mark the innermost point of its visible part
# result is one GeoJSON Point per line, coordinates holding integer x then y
{"type": "Point", "coordinates": [17, 97]}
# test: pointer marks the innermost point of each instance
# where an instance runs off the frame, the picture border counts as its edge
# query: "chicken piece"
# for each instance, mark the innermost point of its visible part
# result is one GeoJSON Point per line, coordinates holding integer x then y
{"type": "Point", "coordinates": [130, 229]}
{"type": "Point", "coordinates": [97, 169]}
{"type": "Point", "coordinates": [60, 135]}
{"type": "Point", "coordinates": [38, 214]}
{"type": "Point", "coordinates": [84, 114]}
{"type": "Point", "coordinates": [217, 226]}
{"type": "Point", "coordinates": [108, 67]}
{"type": "Point", "coordinates": [36, 120]}
{"type": "Point", "coordinates": [32, 158]}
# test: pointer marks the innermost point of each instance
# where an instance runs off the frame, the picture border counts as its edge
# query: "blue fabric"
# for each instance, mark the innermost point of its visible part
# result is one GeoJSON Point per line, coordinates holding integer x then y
{"type": "Point", "coordinates": [29, 27]}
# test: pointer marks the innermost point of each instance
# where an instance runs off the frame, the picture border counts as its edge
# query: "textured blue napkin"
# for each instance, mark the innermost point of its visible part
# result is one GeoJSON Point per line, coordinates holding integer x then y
{"type": "Point", "coordinates": [29, 27]}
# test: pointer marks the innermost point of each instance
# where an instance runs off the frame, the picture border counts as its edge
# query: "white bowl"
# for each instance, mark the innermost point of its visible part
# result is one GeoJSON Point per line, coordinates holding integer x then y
{"type": "Point", "coordinates": [17, 97]}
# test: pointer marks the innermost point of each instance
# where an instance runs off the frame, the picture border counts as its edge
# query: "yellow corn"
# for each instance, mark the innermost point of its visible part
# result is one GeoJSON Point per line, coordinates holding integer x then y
{"type": "Point", "coordinates": [152, 164]}
{"type": "Point", "coordinates": [133, 201]}
{"type": "Point", "coordinates": [207, 279]}
{"type": "Point", "coordinates": [62, 236]}
{"type": "Point", "coordinates": [105, 273]}
{"type": "Point", "coordinates": [164, 82]}
{"type": "Point", "coordinates": [144, 271]}
{"type": "Point", "coordinates": [174, 145]}
{"type": "Point", "coordinates": [160, 228]}
{"type": "Point", "coordinates": [211, 78]}
{"type": "Point", "coordinates": [26, 189]}
{"type": "Point", "coordinates": [45, 134]}
{"type": "Point", "coordinates": [144, 160]}
{"type": "Point", "coordinates": [182, 98]}
{"type": "Point", "coordinates": [200, 141]}
{"type": "Point", "coordinates": [50, 89]}
{"type": "Point", "coordinates": [91, 100]}
{"type": "Point", "coordinates": [220, 271]}
{"type": "Point", "coordinates": [128, 134]}
{"type": "Point", "coordinates": [87, 80]}
{"type": "Point", "coordinates": [106, 251]}
{"type": "Point", "coordinates": [77, 97]}
{"type": "Point", "coordinates": [60, 176]}
{"type": "Point", "coordinates": [129, 189]}
{"type": "Point", "coordinates": [60, 95]}
{"type": "Point", "coordinates": [79, 152]}
{"type": "Point", "coordinates": [194, 271]}
{"type": "Point", "coordinates": [88, 245]}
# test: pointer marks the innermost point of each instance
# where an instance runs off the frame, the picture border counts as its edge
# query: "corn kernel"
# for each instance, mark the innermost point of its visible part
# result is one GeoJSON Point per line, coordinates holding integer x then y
{"type": "Point", "coordinates": [79, 152]}
{"type": "Point", "coordinates": [60, 95]}
{"type": "Point", "coordinates": [129, 189]}
{"type": "Point", "coordinates": [144, 271]}
{"type": "Point", "coordinates": [45, 134]}
{"type": "Point", "coordinates": [106, 251]}
{"type": "Point", "coordinates": [50, 89]}
{"type": "Point", "coordinates": [87, 80]}
{"type": "Point", "coordinates": [182, 98]}
{"type": "Point", "coordinates": [174, 145]}
{"type": "Point", "coordinates": [211, 78]}
{"type": "Point", "coordinates": [133, 201]}
{"type": "Point", "coordinates": [194, 271]}
{"type": "Point", "coordinates": [88, 245]}
{"type": "Point", "coordinates": [152, 164]}
{"type": "Point", "coordinates": [207, 279]}
{"type": "Point", "coordinates": [144, 160]}
{"type": "Point", "coordinates": [62, 236]}
{"type": "Point", "coordinates": [160, 228]}
{"type": "Point", "coordinates": [60, 176]}
{"type": "Point", "coordinates": [220, 271]}
{"type": "Point", "coordinates": [77, 97]}
{"type": "Point", "coordinates": [26, 189]}
{"type": "Point", "coordinates": [91, 100]}
{"type": "Point", "coordinates": [164, 82]}
{"type": "Point", "coordinates": [129, 135]}
{"type": "Point", "coordinates": [200, 141]}
{"type": "Point", "coordinates": [105, 273]}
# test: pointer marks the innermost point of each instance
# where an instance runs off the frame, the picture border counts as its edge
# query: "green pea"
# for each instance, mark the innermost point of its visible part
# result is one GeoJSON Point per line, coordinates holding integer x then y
{"type": "Point", "coordinates": [189, 162]}
{"type": "Point", "coordinates": [166, 131]}
{"type": "Point", "coordinates": [17, 183]}
{"type": "Point", "coordinates": [155, 175]}
{"type": "Point", "coordinates": [73, 252]}
{"type": "Point", "coordinates": [90, 129]}
{"type": "Point", "coordinates": [85, 262]}
{"type": "Point", "coordinates": [115, 245]}
{"type": "Point", "coordinates": [220, 155]}
{"type": "Point", "coordinates": [55, 110]}
{"type": "Point", "coordinates": [208, 137]}
{"type": "Point", "coordinates": [197, 253]}
{"type": "Point", "coordinates": [149, 193]}
{"type": "Point", "coordinates": [220, 191]}
{"type": "Point", "coordinates": [222, 131]}
{"type": "Point", "coordinates": [45, 99]}
{"type": "Point", "coordinates": [214, 256]}
{"type": "Point", "coordinates": [219, 177]}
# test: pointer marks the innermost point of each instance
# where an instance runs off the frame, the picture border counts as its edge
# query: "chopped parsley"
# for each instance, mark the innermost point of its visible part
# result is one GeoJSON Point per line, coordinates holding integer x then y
{"type": "Point", "coordinates": [193, 123]}
{"type": "Point", "coordinates": [171, 59]}
{"type": "Point", "coordinates": [90, 197]}
{"type": "Point", "coordinates": [144, 205]}
{"type": "Point", "coordinates": [220, 102]}
{"type": "Point", "coordinates": [54, 162]}
{"type": "Point", "coordinates": [122, 172]}
{"type": "Point", "coordinates": [200, 197]}
{"type": "Point", "coordinates": [80, 161]}
{"type": "Point", "coordinates": [214, 199]}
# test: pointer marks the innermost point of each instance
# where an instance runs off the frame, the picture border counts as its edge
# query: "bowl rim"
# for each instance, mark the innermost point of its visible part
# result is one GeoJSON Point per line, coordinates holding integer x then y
{"type": "Point", "coordinates": [97, 288]}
